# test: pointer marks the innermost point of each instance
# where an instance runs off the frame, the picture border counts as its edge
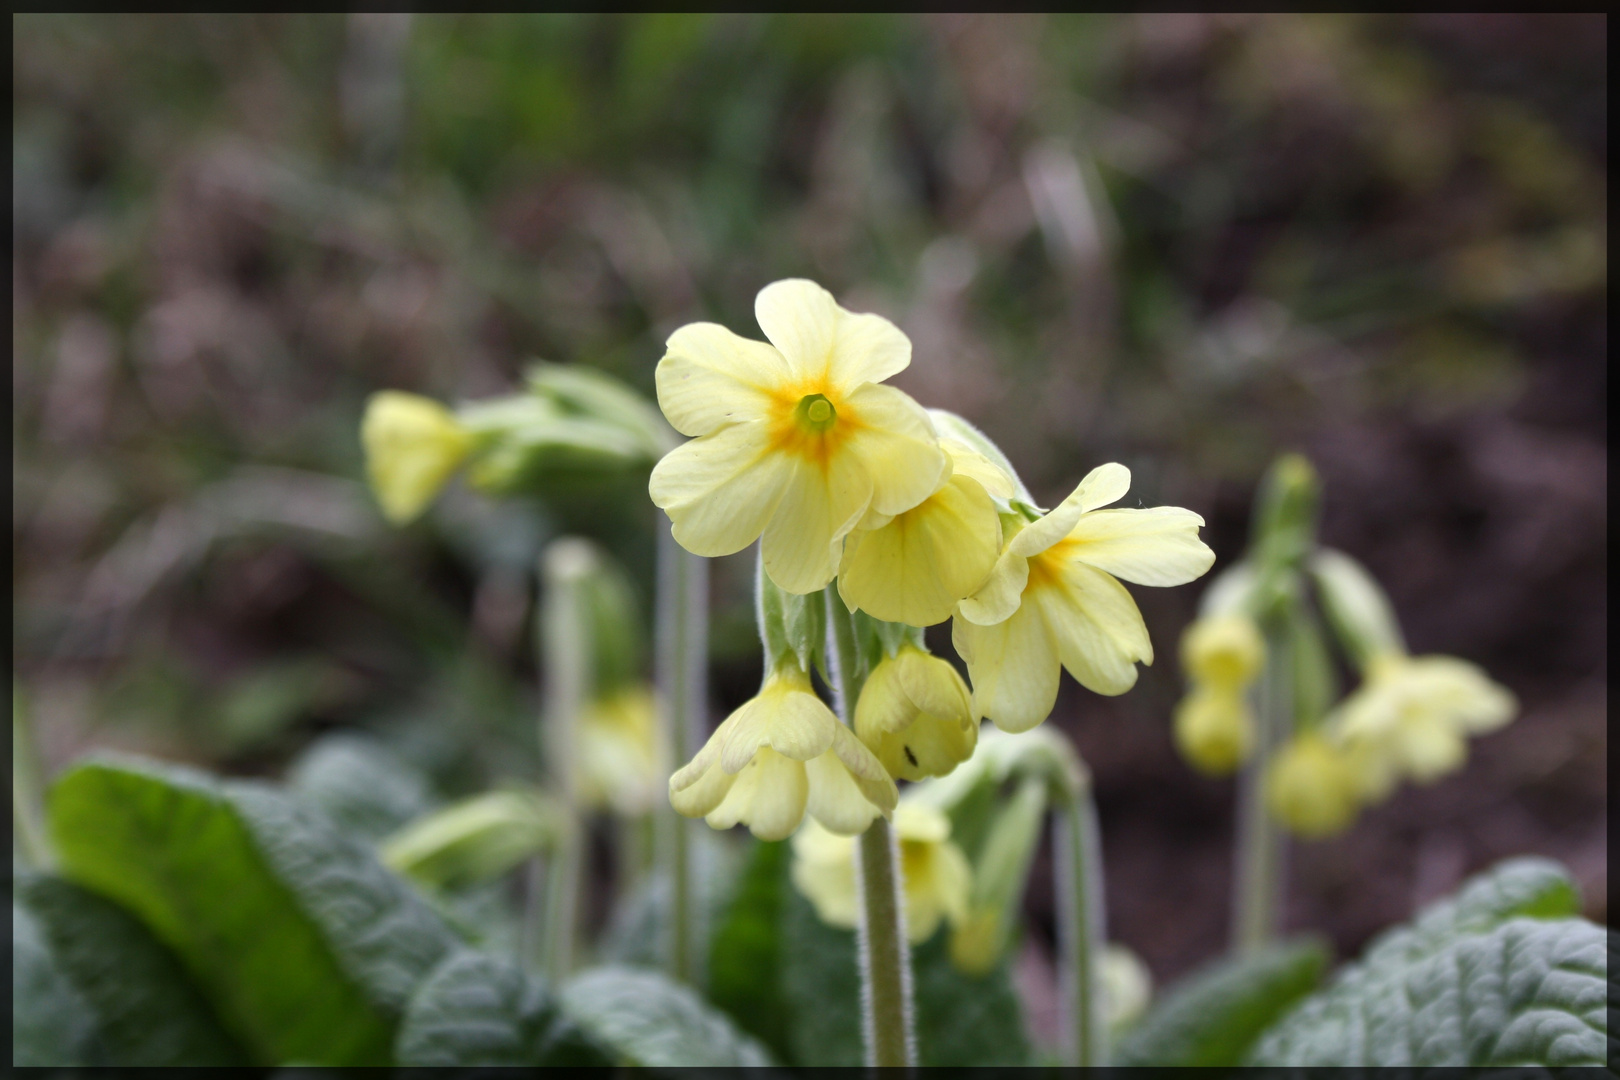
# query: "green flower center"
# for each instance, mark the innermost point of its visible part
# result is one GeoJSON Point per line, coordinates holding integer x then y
{"type": "Point", "coordinates": [816, 413]}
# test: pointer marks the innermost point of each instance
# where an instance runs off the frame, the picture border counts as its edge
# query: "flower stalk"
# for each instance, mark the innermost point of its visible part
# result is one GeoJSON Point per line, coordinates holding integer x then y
{"type": "Point", "coordinates": [886, 991]}
{"type": "Point", "coordinates": [683, 624]}
{"type": "Point", "coordinates": [1082, 933]}
{"type": "Point", "coordinates": [1262, 845]}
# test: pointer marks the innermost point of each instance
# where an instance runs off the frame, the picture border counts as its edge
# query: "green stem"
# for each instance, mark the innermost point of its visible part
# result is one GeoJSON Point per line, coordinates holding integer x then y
{"type": "Point", "coordinates": [884, 956]}
{"type": "Point", "coordinates": [1259, 870]}
{"type": "Point", "coordinates": [566, 650]}
{"type": "Point", "coordinates": [1081, 930]}
{"type": "Point", "coordinates": [682, 670]}
{"type": "Point", "coordinates": [27, 817]}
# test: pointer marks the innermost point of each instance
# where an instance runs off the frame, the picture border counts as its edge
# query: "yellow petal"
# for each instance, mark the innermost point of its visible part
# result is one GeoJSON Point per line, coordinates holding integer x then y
{"type": "Point", "coordinates": [1311, 788]}
{"type": "Point", "coordinates": [921, 822]}
{"type": "Point", "coordinates": [866, 770]}
{"type": "Point", "coordinates": [933, 685]}
{"type": "Point", "coordinates": [1429, 747]}
{"type": "Point", "coordinates": [689, 773]}
{"type": "Point", "coordinates": [820, 338]}
{"type": "Point", "coordinates": [1097, 628]}
{"type": "Point", "coordinates": [821, 505]}
{"type": "Point", "coordinates": [1461, 691]}
{"type": "Point", "coordinates": [966, 461]}
{"type": "Point", "coordinates": [768, 796]}
{"type": "Point", "coordinates": [792, 721]}
{"type": "Point", "coordinates": [1223, 650]}
{"type": "Point", "coordinates": [884, 706]}
{"type": "Point", "coordinates": [836, 797]}
{"type": "Point", "coordinates": [824, 873]}
{"type": "Point", "coordinates": [710, 377]}
{"type": "Point", "coordinates": [699, 794]}
{"type": "Point", "coordinates": [1158, 546]}
{"type": "Point", "coordinates": [412, 446]}
{"type": "Point", "coordinates": [914, 569]}
{"type": "Point", "coordinates": [891, 435]}
{"type": "Point", "coordinates": [1001, 593]}
{"type": "Point", "coordinates": [1014, 668]}
{"type": "Point", "coordinates": [722, 490]}
{"type": "Point", "coordinates": [1101, 486]}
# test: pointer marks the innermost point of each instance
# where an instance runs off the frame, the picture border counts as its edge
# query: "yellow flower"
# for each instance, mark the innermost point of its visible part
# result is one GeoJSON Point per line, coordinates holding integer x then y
{"type": "Point", "coordinates": [1214, 729]}
{"type": "Point", "coordinates": [1053, 599]}
{"type": "Point", "coordinates": [794, 441]}
{"type": "Point", "coordinates": [779, 754]}
{"type": "Point", "coordinates": [1223, 650]}
{"type": "Point", "coordinates": [1414, 713]}
{"type": "Point", "coordinates": [935, 874]}
{"type": "Point", "coordinates": [913, 567]}
{"type": "Point", "coordinates": [412, 446]}
{"type": "Point", "coordinates": [617, 744]}
{"type": "Point", "coordinates": [1313, 786]}
{"type": "Point", "coordinates": [916, 715]}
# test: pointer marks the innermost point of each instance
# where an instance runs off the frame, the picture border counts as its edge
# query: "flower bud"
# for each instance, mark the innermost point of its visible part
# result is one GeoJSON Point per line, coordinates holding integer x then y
{"type": "Point", "coordinates": [1224, 651]}
{"type": "Point", "coordinates": [1127, 987]}
{"type": "Point", "coordinates": [413, 444]}
{"type": "Point", "coordinates": [916, 715]}
{"type": "Point", "coordinates": [1214, 730]}
{"type": "Point", "coordinates": [1312, 787]}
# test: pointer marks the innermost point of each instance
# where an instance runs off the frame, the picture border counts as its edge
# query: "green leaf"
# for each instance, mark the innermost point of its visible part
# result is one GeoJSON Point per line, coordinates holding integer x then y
{"type": "Point", "coordinates": [305, 945]}
{"type": "Point", "coordinates": [477, 1010]}
{"type": "Point", "coordinates": [649, 1020]}
{"type": "Point", "coordinates": [51, 1023]}
{"type": "Point", "coordinates": [961, 1019]}
{"type": "Point", "coordinates": [1492, 978]}
{"type": "Point", "coordinates": [745, 950]}
{"type": "Point", "coordinates": [361, 785]}
{"type": "Point", "coordinates": [1213, 1016]}
{"type": "Point", "coordinates": [146, 1009]}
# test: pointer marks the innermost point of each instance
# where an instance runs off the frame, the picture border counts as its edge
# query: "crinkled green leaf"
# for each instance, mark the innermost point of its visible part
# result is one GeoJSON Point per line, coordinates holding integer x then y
{"type": "Point", "coordinates": [306, 946]}
{"type": "Point", "coordinates": [361, 785]}
{"type": "Point", "coordinates": [481, 1010]}
{"type": "Point", "coordinates": [146, 1009]}
{"type": "Point", "coordinates": [1491, 978]}
{"type": "Point", "coordinates": [1213, 1016]}
{"type": "Point", "coordinates": [647, 1019]}
{"type": "Point", "coordinates": [51, 1023]}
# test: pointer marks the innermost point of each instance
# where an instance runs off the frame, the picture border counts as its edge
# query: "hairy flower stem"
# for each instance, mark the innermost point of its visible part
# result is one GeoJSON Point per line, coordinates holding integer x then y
{"type": "Point", "coordinates": [1262, 846]}
{"type": "Point", "coordinates": [1081, 930]}
{"type": "Point", "coordinates": [682, 671]}
{"type": "Point", "coordinates": [565, 662]}
{"type": "Point", "coordinates": [884, 957]}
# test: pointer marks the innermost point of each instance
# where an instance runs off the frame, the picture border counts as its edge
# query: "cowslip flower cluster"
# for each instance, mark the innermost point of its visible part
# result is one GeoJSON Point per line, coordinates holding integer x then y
{"type": "Point", "coordinates": [1214, 724]}
{"type": "Point", "coordinates": [918, 518]}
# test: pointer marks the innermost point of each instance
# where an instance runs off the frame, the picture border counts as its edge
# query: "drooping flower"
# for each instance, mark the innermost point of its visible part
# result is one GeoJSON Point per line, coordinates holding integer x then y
{"type": "Point", "coordinates": [915, 566]}
{"type": "Point", "coordinates": [795, 441]}
{"type": "Point", "coordinates": [617, 744]}
{"type": "Point", "coordinates": [778, 755]}
{"type": "Point", "coordinates": [1414, 714]}
{"type": "Point", "coordinates": [1214, 729]}
{"type": "Point", "coordinates": [1214, 724]}
{"type": "Point", "coordinates": [1313, 786]}
{"type": "Point", "coordinates": [1053, 600]}
{"type": "Point", "coordinates": [412, 446]}
{"type": "Point", "coordinates": [916, 715]}
{"type": "Point", "coordinates": [935, 875]}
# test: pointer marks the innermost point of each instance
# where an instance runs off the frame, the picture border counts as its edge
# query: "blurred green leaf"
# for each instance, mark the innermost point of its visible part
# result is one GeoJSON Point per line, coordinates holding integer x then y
{"type": "Point", "coordinates": [146, 1009]}
{"type": "Point", "coordinates": [649, 1020]}
{"type": "Point", "coordinates": [481, 1010]}
{"type": "Point", "coordinates": [1498, 976]}
{"type": "Point", "coordinates": [308, 947]}
{"type": "Point", "coordinates": [361, 785]}
{"type": "Point", "coordinates": [51, 1023]}
{"type": "Point", "coordinates": [745, 951]}
{"type": "Point", "coordinates": [1213, 1016]}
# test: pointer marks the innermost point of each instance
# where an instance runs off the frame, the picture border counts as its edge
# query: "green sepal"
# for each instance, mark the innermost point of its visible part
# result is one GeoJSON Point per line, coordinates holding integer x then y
{"type": "Point", "coordinates": [792, 628]}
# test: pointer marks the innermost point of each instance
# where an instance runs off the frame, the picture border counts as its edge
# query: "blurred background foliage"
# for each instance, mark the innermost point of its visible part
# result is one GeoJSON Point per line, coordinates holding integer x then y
{"type": "Point", "coordinates": [1179, 242]}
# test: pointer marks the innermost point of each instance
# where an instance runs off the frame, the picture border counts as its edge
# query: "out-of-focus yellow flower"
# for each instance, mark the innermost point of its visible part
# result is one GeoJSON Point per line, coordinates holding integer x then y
{"type": "Point", "coordinates": [913, 567]}
{"type": "Point", "coordinates": [1313, 787]}
{"type": "Point", "coordinates": [617, 743]}
{"type": "Point", "coordinates": [796, 440]}
{"type": "Point", "coordinates": [412, 446]}
{"type": "Point", "coordinates": [1214, 729]}
{"type": "Point", "coordinates": [1414, 714]}
{"type": "Point", "coordinates": [1053, 600]}
{"type": "Point", "coordinates": [936, 877]}
{"type": "Point", "coordinates": [916, 715]}
{"type": "Point", "coordinates": [1223, 650]}
{"type": "Point", "coordinates": [1127, 986]}
{"type": "Point", "coordinates": [778, 755]}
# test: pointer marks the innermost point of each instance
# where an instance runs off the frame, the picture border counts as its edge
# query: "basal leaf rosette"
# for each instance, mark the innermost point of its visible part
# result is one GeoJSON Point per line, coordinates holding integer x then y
{"type": "Point", "coordinates": [794, 441]}
{"type": "Point", "coordinates": [1054, 600]}
{"type": "Point", "coordinates": [781, 754]}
